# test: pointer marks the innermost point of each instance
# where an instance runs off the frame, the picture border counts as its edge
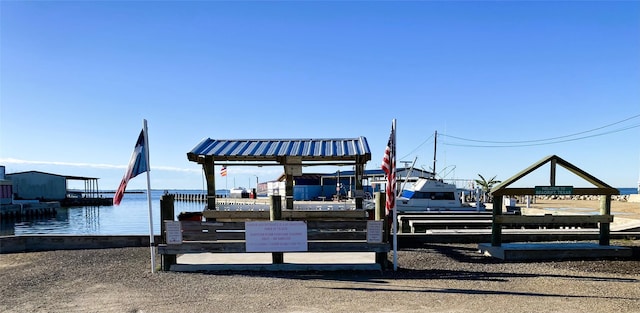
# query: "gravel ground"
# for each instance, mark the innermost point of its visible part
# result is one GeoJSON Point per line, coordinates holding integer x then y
{"type": "Point", "coordinates": [434, 278]}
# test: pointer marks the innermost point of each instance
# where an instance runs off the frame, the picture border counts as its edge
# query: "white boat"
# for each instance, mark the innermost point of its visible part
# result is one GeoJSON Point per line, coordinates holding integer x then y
{"type": "Point", "coordinates": [238, 192]}
{"type": "Point", "coordinates": [431, 194]}
{"type": "Point", "coordinates": [428, 194]}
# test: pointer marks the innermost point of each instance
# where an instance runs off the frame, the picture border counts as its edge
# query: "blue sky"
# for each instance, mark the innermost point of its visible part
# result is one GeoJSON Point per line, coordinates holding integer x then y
{"type": "Point", "coordinates": [77, 79]}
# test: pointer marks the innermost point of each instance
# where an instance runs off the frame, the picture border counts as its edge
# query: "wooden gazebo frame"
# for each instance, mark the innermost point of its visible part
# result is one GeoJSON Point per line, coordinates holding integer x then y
{"type": "Point", "coordinates": [600, 188]}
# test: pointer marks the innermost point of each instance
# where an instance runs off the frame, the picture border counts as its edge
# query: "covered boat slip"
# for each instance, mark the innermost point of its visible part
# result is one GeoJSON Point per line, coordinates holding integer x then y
{"type": "Point", "coordinates": [227, 236]}
{"type": "Point", "coordinates": [527, 251]}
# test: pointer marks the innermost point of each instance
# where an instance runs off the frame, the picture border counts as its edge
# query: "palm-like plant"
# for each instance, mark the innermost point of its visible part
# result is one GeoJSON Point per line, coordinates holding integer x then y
{"type": "Point", "coordinates": [486, 185]}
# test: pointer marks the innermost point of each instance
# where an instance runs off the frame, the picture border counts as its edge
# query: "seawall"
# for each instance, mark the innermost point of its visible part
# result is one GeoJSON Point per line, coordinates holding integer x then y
{"type": "Point", "coordinates": [32, 243]}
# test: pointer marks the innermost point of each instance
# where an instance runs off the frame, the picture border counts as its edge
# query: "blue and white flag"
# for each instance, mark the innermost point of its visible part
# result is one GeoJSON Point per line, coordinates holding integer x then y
{"type": "Point", "coordinates": [137, 165]}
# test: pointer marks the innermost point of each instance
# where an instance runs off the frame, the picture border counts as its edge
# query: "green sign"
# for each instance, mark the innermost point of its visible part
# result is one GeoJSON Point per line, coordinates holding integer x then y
{"type": "Point", "coordinates": [554, 190]}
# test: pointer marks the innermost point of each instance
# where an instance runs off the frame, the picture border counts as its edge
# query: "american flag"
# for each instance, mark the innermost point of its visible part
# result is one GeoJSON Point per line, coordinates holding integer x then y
{"type": "Point", "coordinates": [223, 171]}
{"type": "Point", "coordinates": [389, 168]}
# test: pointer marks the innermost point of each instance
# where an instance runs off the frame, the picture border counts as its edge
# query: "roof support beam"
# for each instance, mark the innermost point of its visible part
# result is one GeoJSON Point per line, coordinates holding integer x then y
{"type": "Point", "coordinates": [209, 174]}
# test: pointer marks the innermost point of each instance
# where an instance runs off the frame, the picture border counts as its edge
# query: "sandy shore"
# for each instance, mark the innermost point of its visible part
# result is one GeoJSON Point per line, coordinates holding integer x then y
{"type": "Point", "coordinates": [620, 209]}
{"type": "Point", "coordinates": [620, 206]}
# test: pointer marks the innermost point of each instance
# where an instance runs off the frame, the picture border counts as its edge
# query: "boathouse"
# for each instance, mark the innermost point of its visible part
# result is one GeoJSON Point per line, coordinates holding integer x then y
{"type": "Point", "coordinates": [6, 188]}
{"type": "Point", "coordinates": [35, 185]}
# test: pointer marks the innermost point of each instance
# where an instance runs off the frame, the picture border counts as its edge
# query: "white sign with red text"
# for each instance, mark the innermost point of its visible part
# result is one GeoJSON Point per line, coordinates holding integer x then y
{"type": "Point", "coordinates": [276, 236]}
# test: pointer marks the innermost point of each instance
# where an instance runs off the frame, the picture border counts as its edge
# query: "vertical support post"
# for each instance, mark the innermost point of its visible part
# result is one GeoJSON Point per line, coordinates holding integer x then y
{"type": "Point", "coordinates": [166, 214]}
{"type": "Point", "coordinates": [275, 214]}
{"type": "Point", "coordinates": [605, 209]}
{"type": "Point", "coordinates": [496, 228]}
{"type": "Point", "coordinates": [209, 174]}
{"type": "Point", "coordinates": [289, 191]}
{"type": "Point", "coordinates": [552, 175]}
{"type": "Point", "coordinates": [380, 199]}
{"type": "Point", "coordinates": [359, 193]}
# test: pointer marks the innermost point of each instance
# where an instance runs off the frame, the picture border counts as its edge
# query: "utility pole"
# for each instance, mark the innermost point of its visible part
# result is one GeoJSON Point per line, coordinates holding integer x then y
{"type": "Point", "coordinates": [435, 146]}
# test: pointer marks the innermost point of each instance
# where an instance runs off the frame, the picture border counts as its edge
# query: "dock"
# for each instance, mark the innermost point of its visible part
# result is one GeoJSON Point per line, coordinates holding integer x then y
{"type": "Point", "coordinates": [69, 202]}
{"type": "Point", "coordinates": [29, 210]}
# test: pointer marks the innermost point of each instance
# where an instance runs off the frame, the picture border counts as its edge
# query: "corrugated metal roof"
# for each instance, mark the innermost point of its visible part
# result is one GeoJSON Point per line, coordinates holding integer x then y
{"type": "Point", "coordinates": [276, 149]}
{"type": "Point", "coordinates": [52, 174]}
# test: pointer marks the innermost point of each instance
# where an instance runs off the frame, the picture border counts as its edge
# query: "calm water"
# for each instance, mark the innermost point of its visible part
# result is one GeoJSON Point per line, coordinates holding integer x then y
{"type": "Point", "coordinates": [131, 217]}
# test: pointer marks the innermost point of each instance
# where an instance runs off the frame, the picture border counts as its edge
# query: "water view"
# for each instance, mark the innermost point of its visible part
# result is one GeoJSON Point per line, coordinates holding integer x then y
{"type": "Point", "coordinates": [131, 217]}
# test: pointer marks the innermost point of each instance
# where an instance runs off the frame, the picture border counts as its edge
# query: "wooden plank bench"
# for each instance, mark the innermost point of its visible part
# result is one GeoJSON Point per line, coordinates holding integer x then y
{"type": "Point", "coordinates": [229, 237]}
{"type": "Point", "coordinates": [404, 220]}
{"type": "Point", "coordinates": [554, 221]}
{"type": "Point", "coordinates": [239, 247]}
{"type": "Point", "coordinates": [316, 230]}
{"type": "Point", "coordinates": [512, 221]}
{"type": "Point", "coordinates": [423, 225]}
{"type": "Point", "coordinates": [287, 215]}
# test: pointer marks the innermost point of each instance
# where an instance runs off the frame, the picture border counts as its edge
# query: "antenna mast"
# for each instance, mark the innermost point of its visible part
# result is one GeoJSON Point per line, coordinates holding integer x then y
{"type": "Point", "coordinates": [435, 146]}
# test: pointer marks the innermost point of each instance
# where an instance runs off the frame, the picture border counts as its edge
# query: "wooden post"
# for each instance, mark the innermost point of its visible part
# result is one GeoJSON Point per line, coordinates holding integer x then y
{"type": "Point", "coordinates": [166, 214]}
{"type": "Point", "coordinates": [381, 257]}
{"type": "Point", "coordinates": [275, 214]}
{"type": "Point", "coordinates": [496, 228]}
{"type": "Point", "coordinates": [359, 193]}
{"type": "Point", "coordinates": [380, 199]}
{"type": "Point", "coordinates": [208, 168]}
{"type": "Point", "coordinates": [552, 175]}
{"type": "Point", "coordinates": [289, 191]}
{"type": "Point", "coordinates": [605, 209]}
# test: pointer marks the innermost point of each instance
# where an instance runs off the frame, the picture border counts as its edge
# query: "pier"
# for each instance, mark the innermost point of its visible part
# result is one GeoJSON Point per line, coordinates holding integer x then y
{"type": "Point", "coordinates": [190, 197]}
{"type": "Point", "coordinates": [68, 202]}
{"type": "Point", "coordinates": [262, 203]}
{"type": "Point", "coordinates": [29, 210]}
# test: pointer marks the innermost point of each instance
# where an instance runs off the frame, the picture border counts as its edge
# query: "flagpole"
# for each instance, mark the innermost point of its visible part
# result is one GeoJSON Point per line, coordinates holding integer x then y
{"type": "Point", "coordinates": [395, 213]}
{"type": "Point", "coordinates": [151, 237]}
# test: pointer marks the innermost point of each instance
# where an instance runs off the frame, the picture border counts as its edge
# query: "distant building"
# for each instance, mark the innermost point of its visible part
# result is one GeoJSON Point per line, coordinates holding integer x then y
{"type": "Point", "coordinates": [34, 185]}
{"type": "Point", "coordinates": [313, 186]}
{"type": "Point", "coordinates": [6, 188]}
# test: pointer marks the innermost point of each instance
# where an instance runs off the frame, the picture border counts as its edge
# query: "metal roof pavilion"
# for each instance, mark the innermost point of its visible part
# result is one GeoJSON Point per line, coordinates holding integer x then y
{"type": "Point", "coordinates": [276, 151]}
{"type": "Point", "coordinates": [292, 154]}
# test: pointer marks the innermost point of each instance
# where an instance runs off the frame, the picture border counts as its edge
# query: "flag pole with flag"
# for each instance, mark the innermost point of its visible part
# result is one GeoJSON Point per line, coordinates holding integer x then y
{"type": "Point", "coordinates": [223, 173]}
{"type": "Point", "coordinates": [138, 164]}
{"type": "Point", "coordinates": [389, 168]}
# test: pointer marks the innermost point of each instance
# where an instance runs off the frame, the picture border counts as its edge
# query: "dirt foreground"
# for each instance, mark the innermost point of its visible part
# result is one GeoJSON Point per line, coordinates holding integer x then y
{"type": "Point", "coordinates": [435, 278]}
